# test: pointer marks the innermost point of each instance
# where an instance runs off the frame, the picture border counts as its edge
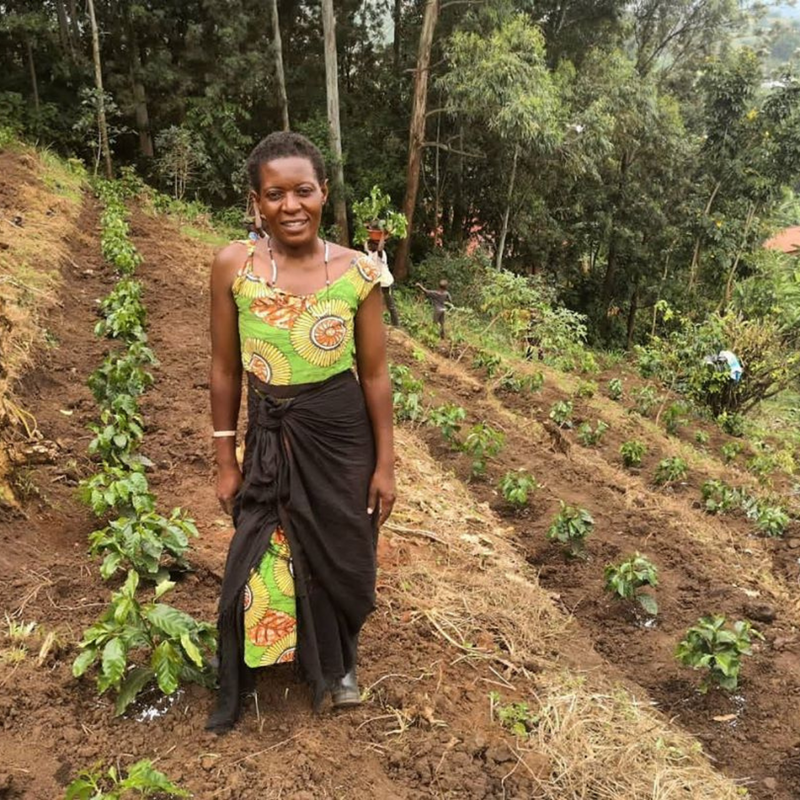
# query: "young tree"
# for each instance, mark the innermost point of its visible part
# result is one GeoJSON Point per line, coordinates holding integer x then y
{"type": "Point", "coordinates": [277, 48]}
{"type": "Point", "coordinates": [98, 79]}
{"type": "Point", "coordinates": [503, 82]}
{"type": "Point", "coordinates": [416, 136]}
{"type": "Point", "coordinates": [335, 132]}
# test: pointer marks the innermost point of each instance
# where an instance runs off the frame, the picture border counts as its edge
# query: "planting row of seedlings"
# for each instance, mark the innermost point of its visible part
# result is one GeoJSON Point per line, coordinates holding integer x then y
{"type": "Point", "coordinates": [764, 462]}
{"type": "Point", "coordinates": [139, 643]}
{"type": "Point", "coordinates": [712, 644]}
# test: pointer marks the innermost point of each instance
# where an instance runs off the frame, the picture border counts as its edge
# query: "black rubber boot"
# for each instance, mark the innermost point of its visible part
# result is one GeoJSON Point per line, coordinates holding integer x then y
{"type": "Point", "coordinates": [345, 692]}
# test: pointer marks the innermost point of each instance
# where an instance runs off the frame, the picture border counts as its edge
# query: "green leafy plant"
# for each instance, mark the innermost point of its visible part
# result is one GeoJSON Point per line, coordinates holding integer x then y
{"type": "Point", "coordinates": [589, 437]}
{"type": "Point", "coordinates": [731, 450]}
{"type": "Point", "coordinates": [511, 382]}
{"type": "Point", "coordinates": [517, 487]}
{"type": "Point", "coordinates": [645, 399]}
{"type": "Point", "coordinates": [115, 243]}
{"type": "Point", "coordinates": [117, 436]}
{"type": "Point", "coordinates": [122, 374]}
{"type": "Point", "coordinates": [615, 390]}
{"type": "Point", "coordinates": [561, 413]}
{"type": "Point", "coordinates": [632, 452]}
{"type": "Point", "coordinates": [488, 361]}
{"type": "Point", "coordinates": [732, 424]}
{"type": "Point", "coordinates": [448, 419]}
{"type": "Point", "coordinates": [628, 578]}
{"type": "Point", "coordinates": [772, 520]}
{"type": "Point", "coordinates": [482, 442]}
{"type": "Point", "coordinates": [176, 645]}
{"type": "Point", "coordinates": [670, 470]}
{"type": "Point", "coordinates": [570, 527]}
{"type": "Point", "coordinates": [719, 497]}
{"type": "Point", "coordinates": [673, 418]}
{"type": "Point", "coordinates": [125, 315]}
{"type": "Point", "coordinates": [702, 438]}
{"type": "Point", "coordinates": [406, 394]}
{"type": "Point", "coordinates": [586, 389]}
{"type": "Point", "coordinates": [120, 489]}
{"type": "Point", "coordinates": [762, 465]}
{"type": "Point", "coordinates": [712, 646]}
{"type": "Point", "coordinates": [142, 541]}
{"type": "Point", "coordinates": [516, 717]}
{"type": "Point", "coordinates": [141, 780]}
{"type": "Point", "coordinates": [376, 212]}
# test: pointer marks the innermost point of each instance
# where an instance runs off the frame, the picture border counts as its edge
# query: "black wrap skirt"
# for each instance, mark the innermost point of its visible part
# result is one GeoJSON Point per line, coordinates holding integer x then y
{"type": "Point", "coordinates": [308, 463]}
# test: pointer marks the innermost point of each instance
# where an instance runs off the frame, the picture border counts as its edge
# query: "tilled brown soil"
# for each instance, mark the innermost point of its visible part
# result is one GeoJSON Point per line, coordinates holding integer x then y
{"type": "Point", "coordinates": [425, 731]}
{"type": "Point", "coordinates": [753, 735]}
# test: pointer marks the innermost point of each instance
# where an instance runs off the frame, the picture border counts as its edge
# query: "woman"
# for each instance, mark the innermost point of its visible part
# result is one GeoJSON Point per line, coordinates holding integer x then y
{"type": "Point", "coordinates": [297, 314]}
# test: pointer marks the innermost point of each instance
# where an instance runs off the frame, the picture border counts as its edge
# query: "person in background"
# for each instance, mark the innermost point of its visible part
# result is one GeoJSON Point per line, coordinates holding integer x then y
{"type": "Point", "coordinates": [439, 299]}
{"type": "Point", "coordinates": [376, 250]}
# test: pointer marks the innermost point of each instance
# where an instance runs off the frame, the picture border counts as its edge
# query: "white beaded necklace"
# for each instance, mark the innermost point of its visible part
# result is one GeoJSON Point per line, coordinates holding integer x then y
{"type": "Point", "coordinates": [275, 266]}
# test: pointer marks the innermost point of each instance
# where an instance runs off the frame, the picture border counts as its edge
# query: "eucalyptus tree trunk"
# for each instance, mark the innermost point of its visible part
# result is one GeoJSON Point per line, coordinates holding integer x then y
{"type": "Point", "coordinates": [504, 230]}
{"type": "Point", "coordinates": [277, 47]}
{"type": "Point", "coordinates": [334, 128]}
{"type": "Point", "coordinates": [32, 70]}
{"type": "Point", "coordinates": [139, 97]}
{"type": "Point", "coordinates": [416, 138]}
{"type": "Point", "coordinates": [65, 34]}
{"type": "Point", "coordinates": [398, 7]}
{"type": "Point", "coordinates": [98, 80]}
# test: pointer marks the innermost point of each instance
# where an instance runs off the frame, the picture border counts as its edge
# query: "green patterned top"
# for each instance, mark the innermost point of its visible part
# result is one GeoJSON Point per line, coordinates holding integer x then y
{"type": "Point", "coordinates": [290, 338]}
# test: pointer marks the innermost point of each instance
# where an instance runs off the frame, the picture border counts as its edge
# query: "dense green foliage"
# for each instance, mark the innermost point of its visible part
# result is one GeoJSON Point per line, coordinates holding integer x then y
{"type": "Point", "coordinates": [628, 159]}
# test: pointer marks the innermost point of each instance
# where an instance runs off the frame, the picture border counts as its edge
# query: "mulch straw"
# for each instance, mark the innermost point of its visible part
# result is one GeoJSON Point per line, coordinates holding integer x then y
{"type": "Point", "coordinates": [594, 739]}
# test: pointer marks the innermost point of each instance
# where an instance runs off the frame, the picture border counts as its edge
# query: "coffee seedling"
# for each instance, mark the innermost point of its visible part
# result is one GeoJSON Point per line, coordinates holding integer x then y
{"type": "Point", "coordinates": [517, 487]}
{"type": "Point", "coordinates": [720, 498]}
{"type": "Point", "coordinates": [702, 438]}
{"type": "Point", "coordinates": [588, 437]}
{"type": "Point", "coordinates": [570, 527]}
{"type": "Point", "coordinates": [632, 452]}
{"type": "Point", "coordinates": [711, 646]}
{"type": "Point", "coordinates": [670, 470]}
{"type": "Point", "coordinates": [586, 389]}
{"type": "Point", "coordinates": [143, 780]}
{"type": "Point", "coordinates": [448, 419]}
{"type": "Point", "coordinates": [627, 580]}
{"type": "Point", "coordinates": [482, 442]}
{"type": "Point", "coordinates": [645, 399]}
{"type": "Point", "coordinates": [772, 521]}
{"type": "Point", "coordinates": [730, 450]}
{"type": "Point", "coordinates": [615, 390]}
{"type": "Point", "coordinates": [177, 643]}
{"type": "Point", "coordinates": [561, 413]}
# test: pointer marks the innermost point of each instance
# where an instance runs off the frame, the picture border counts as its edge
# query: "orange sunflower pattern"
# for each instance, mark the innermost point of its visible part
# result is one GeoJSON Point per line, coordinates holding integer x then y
{"type": "Point", "coordinates": [270, 613]}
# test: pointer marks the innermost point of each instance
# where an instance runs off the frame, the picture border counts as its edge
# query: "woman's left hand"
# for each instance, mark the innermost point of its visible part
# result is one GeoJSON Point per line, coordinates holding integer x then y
{"type": "Point", "coordinates": [381, 494]}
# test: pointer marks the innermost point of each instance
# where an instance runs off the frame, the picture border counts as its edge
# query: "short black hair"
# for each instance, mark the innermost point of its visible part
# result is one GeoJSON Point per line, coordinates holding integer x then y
{"type": "Point", "coordinates": [283, 144]}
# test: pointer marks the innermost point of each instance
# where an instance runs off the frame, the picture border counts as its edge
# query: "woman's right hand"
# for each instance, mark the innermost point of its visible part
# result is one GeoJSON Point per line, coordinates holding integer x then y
{"type": "Point", "coordinates": [229, 481]}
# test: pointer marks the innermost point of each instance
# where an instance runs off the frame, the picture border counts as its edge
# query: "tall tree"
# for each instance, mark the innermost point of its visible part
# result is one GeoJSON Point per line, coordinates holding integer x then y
{"type": "Point", "coordinates": [100, 93]}
{"type": "Point", "coordinates": [503, 81]}
{"type": "Point", "coordinates": [277, 48]}
{"type": "Point", "coordinates": [416, 135]}
{"type": "Point", "coordinates": [334, 127]}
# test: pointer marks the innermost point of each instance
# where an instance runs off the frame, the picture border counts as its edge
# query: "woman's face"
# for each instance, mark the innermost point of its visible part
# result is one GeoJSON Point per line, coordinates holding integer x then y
{"type": "Point", "coordinates": [291, 200]}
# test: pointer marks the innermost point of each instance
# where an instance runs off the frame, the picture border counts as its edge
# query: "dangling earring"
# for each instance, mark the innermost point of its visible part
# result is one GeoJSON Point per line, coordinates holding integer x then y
{"type": "Point", "coordinates": [257, 221]}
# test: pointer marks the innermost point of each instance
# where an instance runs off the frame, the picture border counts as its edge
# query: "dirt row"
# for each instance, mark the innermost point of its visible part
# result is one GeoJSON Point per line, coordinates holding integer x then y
{"type": "Point", "coordinates": [706, 565]}
{"type": "Point", "coordinates": [425, 731]}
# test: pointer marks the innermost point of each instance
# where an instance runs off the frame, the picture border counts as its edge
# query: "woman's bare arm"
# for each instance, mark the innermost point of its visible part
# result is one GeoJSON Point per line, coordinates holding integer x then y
{"type": "Point", "coordinates": [373, 373]}
{"type": "Point", "coordinates": [226, 370]}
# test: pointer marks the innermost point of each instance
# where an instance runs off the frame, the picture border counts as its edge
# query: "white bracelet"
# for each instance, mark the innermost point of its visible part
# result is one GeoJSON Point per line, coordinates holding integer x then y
{"type": "Point", "coordinates": [223, 434]}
